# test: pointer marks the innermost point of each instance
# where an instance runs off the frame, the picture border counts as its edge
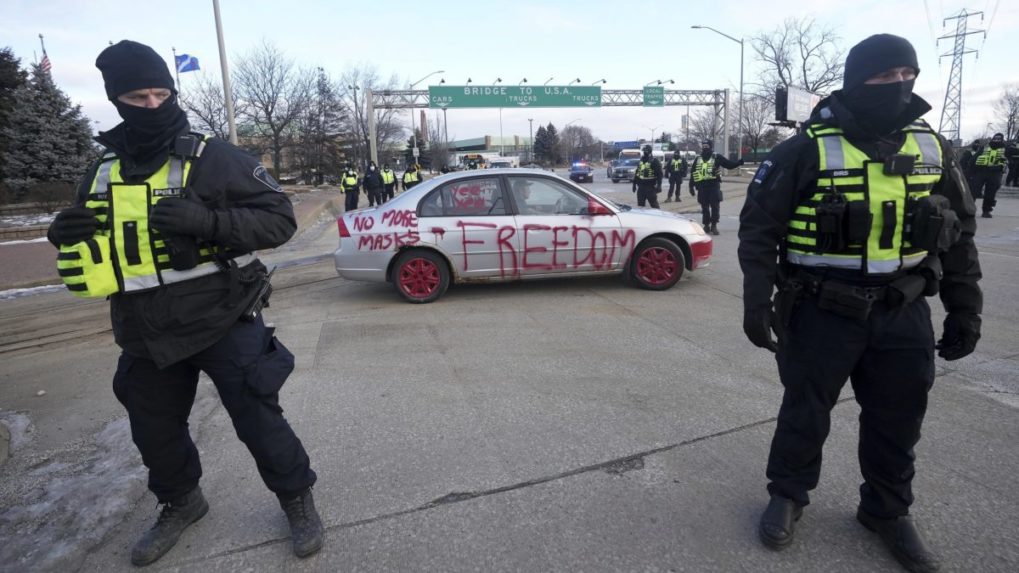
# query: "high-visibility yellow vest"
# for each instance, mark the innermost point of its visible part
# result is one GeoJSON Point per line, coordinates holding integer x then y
{"type": "Point", "coordinates": [677, 165]}
{"type": "Point", "coordinates": [410, 177]}
{"type": "Point", "coordinates": [991, 158]}
{"type": "Point", "coordinates": [349, 181]}
{"type": "Point", "coordinates": [645, 171]}
{"type": "Point", "coordinates": [846, 170]}
{"type": "Point", "coordinates": [126, 254]}
{"type": "Point", "coordinates": [704, 170]}
{"type": "Point", "coordinates": [388, 177]}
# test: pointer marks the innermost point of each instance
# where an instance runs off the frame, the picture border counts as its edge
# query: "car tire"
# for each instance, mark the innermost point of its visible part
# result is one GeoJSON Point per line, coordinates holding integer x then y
{"type": "Point", "coordinates": [420, 276]}
{"type": "Point", "coordinates": [656, 264]}
{"type": "Point", "coordinates": [615, 181]}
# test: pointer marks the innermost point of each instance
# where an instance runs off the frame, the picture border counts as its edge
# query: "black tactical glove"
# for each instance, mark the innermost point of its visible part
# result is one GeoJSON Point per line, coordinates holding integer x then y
{"type": "Point", "coordinates": [692, 192]}
{"type": "Point", "coordinates": [179, 216]}
{"type": "Point", "coordinates": [757, 325]}
{"type": "Point", "coordinates": [73, 225]}
{"type": "Point", "coordinates": [962, 331]}
{"type": "Point", "coordinates": [634, 190]}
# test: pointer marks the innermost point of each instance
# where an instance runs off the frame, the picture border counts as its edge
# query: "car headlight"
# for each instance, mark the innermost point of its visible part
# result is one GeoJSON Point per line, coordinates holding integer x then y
{"type": "Point", "coordinates": [697, 228]}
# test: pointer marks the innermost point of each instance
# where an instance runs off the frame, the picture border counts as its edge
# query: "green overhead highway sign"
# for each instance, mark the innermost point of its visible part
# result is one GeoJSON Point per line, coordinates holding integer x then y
{"type": "Point", "coordinates": [654, 96]}
{"type": "Point", "coordinates": [446, 97]}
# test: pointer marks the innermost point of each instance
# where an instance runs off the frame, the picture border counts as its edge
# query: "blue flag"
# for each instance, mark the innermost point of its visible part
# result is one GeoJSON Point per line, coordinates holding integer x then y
{"type": "Point", "coordinates": [186, 63]}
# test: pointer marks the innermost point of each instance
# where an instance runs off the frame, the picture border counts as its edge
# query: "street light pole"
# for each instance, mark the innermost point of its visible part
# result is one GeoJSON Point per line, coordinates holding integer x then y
{"type": "Point", "coordinates": [227, 92]}
{"type": "Point", "coordinates": [530, 155]}
{"type": "Point", "coordinates": [413, 136]}
{"type": "Point", "coordinates": [739, 125]}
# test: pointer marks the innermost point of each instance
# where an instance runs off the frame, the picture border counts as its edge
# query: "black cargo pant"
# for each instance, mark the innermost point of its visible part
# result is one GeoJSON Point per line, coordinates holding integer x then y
{"type": "Point", "coordinates": [374, 196]}
{"type": "Point", "coordinates": [889, 358]}
{"type": "Point", "coordinates": [389, 192]}
{"type": "Point", "coordinates": [985, 183]}
{"type": "Point", "coordinates": [709, 195]}
{"type": "Point", "coordinates": [248, 366]}
{"type": "Point", "coordinates": [675, 184]}
{"type": "Point", "coordinates": [350, 200]}
{"type": "Point", "coordinates": [647, 193]}
{"type": "Point", "coordinates": [1012, 176]}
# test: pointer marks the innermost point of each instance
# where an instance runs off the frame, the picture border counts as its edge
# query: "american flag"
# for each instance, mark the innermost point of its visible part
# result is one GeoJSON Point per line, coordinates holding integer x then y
{"type": "Point", "coordinates": [45, 63]}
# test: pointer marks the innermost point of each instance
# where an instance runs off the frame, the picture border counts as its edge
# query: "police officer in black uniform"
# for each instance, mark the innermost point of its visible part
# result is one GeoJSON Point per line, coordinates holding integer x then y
{"type": "Point", "coordinates": [706, 178]}
{"type": "Point", "coordinates": [829, 230]}
{"type": "Point", "coordinates": [372, 185]}
{"type": "Point", "coordinates": [195, 312]}
{"type": "Point", "coordinates": [647, 179]}
{"type": "Point", "coordinates": [351, 187]}
{"type": "Point", "coordinates": [988, 167]}
{"type": "Point", "coordinates": [675, 170]}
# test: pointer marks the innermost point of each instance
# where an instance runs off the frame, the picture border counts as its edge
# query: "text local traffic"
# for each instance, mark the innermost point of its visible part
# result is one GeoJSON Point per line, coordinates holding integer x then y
{"type": "Point", "coordinates": [505, 90]}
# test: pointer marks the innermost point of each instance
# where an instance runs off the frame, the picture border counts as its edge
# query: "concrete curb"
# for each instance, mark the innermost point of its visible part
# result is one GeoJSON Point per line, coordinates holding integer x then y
{"type": "Point", "coordinates": [5, 443]}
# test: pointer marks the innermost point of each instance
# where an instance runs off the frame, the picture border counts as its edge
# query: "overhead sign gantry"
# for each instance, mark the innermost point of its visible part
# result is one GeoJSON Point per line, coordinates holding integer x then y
{"type": "Point", "coordinates": [523, 96]}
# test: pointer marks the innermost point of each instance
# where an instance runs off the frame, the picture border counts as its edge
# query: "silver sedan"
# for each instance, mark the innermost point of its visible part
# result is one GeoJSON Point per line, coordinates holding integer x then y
{"type": "Point", "coordinates": [510, 224]}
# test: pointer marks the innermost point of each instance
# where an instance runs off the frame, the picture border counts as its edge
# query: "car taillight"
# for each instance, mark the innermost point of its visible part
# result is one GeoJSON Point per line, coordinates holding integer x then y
{"type": "Point", "coordinates": [344, 233]}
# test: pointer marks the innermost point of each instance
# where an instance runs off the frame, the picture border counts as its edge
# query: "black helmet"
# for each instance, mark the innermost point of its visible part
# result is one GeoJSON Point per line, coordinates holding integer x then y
{"type": "Point", "coordinates": [647, 149]}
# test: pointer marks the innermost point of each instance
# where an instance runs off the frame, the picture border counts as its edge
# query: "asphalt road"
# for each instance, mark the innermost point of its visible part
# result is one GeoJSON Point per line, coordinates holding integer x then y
{"type": "Point", "coordinates": [553, 425]}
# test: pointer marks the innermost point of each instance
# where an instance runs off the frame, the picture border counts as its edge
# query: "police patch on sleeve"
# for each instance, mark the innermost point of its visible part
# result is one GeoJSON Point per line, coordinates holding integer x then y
{"type": "Point", "coordinates": [263, 176]}
{"type": "Point", "coordinates": [762, 172]}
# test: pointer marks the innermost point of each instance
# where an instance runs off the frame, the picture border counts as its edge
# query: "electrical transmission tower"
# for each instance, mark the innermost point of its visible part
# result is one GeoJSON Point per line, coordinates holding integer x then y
{"type": "Point", "coordinates": [951, 112]}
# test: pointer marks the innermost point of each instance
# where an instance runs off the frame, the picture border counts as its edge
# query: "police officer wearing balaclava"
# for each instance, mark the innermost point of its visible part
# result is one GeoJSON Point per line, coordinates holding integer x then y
{"type": "Point", "coordinates": [169, 221]}
{"type": "Point", "coordinates": [706, 179]}
{"type": "Point", "coordinates": [856, 220]}
{"type": "Point", "coordinates": [986, 171]}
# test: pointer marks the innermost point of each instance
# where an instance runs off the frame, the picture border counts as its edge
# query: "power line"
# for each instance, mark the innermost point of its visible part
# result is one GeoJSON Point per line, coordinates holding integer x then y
{"type": "Point", "coordinates": [951, 111]}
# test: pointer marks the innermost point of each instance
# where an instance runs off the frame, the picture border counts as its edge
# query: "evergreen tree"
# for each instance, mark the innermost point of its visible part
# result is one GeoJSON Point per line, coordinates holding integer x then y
{"type": "Point", "coordinates": [540, 145]}
{"type": "Point", "coordinates": [555, 154]}
{"type": "Point", "coordinates": [12, 77]}
{"type": "Point", "coordinates": [47, 139]}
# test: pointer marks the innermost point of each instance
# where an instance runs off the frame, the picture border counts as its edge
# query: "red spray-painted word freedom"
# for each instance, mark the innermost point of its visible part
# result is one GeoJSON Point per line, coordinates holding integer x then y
{"type": "Point", "coordinates": [572, 246]}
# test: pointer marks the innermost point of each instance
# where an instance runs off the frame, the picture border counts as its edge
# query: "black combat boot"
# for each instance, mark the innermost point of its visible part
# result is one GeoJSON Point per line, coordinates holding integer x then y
{"type": "Point", "coordinates": [903, 539]}
{"type": "Point", "coordinates": [305, 524]}
{"type": "Point", "coordinates": [778, 522]}
{"type": "Point", "coordinates": [714, 228]}
{"type": "Point", "coordinates": [172, 521]}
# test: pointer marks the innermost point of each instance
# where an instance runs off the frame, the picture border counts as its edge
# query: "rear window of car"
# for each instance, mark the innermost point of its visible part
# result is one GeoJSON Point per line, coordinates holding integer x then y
{"type": "Point", "coordinates": [481, 196]}
{"type": "Point", "coordinates": [584, 168]}
{"type": "Point", "coordinates": [631, 162]}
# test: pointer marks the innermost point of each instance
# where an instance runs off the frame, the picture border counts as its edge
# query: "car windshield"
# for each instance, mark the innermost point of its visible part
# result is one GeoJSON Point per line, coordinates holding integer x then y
{"type": "Point", "coordinates": [580, 167]}
{"type": "Point", "coordinates": [631, 162]}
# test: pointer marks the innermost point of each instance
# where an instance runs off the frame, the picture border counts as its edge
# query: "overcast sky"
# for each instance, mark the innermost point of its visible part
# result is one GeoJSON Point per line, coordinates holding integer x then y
{"type": "Point", "coordinates": [629, 43]}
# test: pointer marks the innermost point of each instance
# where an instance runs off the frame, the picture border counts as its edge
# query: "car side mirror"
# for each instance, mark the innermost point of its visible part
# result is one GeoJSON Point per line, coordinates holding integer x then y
{"type": "Point", "coordinates": [596, 208]}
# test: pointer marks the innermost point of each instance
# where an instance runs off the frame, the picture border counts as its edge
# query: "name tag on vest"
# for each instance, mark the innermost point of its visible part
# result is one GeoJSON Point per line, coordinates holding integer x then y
{"type": "Point", "coordinates": [168, 192]}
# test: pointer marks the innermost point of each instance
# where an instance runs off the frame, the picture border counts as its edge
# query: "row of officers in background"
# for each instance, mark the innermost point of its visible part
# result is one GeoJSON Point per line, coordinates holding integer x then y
{"type": "Point", "coordinates": [379, 186]}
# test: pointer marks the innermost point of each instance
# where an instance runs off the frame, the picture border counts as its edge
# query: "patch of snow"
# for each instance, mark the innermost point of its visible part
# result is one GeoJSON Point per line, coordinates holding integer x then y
{"type": "Point", "coordinates": [19, 425]}
{"type": "Point", "coordinates": [22, 241]}
{"type": "Point", "coordinates": [13, 293]}
{"type": "Point", "coordinates": [27, 220]}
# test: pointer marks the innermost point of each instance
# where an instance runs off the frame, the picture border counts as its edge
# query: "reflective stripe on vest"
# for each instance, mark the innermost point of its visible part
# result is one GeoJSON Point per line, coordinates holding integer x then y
{"type": "Point", "coordinates": [139, 256]}
{"type": "Point", "coordinates": [644, 171]}
{"type": "Point", "coordinates": [388, 177]}
{"type": "Point", "coordinates": [990, 158]}
{"type": "Point", "coordinates": [846, 170]}
{"type": "Point", "coordinates": [677, 165]}
{"type": "Point", "coordinates": [703, 170]}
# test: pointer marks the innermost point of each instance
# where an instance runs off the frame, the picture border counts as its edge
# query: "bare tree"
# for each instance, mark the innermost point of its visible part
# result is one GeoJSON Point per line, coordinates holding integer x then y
{"type": "Point", "coordinates": [438, 151]}
{"type": "Point", "coordinates": [800, 53]}
{"type": "Point", "coordinates": [353, 86]}
{"type": "Point", "coordinates": [704, 124]}
{"type": "Point", "coordinates": [576, 141]}
{"type": "Point", "coordinates": [1006, 112]}
{"type": "Point", "coordinates": [276, 93]}
{"type": "Point", "coordinates": [206, 106]}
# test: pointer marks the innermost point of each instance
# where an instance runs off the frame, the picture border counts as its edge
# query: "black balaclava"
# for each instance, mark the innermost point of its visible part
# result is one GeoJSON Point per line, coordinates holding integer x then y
{"type": "Point", "coordinates": [878, 107]}
{"type": "Point", "coordinates": [997, 141]}
{"type": "Point", "coordinates": [975, 145]}
{"type": "Point", "coordinates": [127, 66]}
{"type": "Point", "coordinates": [647, 153]}
{"type": "Point", "coordinates": [706, 153]}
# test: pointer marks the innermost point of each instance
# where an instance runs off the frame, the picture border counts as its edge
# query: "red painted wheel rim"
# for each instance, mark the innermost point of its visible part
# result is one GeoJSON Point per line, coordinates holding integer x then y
{"type": "Point", "coordinates": [656, 266]}
{"type": "Point", "coordinates": [419, 278]}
